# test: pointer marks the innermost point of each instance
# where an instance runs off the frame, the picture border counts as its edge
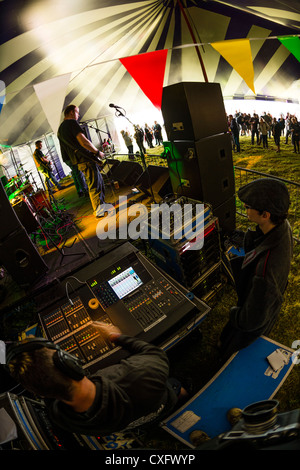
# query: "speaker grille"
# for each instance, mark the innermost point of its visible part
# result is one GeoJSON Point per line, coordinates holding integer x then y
{"type": "Point", "coordinates": [202, 170]}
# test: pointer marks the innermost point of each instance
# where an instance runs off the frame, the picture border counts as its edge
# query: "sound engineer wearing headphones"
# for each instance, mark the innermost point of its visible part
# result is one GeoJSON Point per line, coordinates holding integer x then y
{"type": "Point", "coordinates": [122, 396]}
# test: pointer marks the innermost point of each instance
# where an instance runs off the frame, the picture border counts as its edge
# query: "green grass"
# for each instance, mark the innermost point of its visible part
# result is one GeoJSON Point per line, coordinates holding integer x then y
{"type": "Point", "coordinates": [285, 165]}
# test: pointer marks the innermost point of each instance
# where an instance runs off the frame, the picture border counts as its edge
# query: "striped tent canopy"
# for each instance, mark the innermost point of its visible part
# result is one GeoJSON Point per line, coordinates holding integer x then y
{"type": "Point", "coordinates": [78, 45]}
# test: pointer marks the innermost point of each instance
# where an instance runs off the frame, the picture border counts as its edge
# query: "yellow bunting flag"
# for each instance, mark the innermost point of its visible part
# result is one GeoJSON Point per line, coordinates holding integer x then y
{"type": "Point", "coordinates": [237, 52]}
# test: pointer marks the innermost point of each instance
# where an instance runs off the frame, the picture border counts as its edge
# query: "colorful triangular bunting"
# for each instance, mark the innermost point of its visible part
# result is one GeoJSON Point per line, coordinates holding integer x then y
{"type": "Point", "coordinates": [148, 71]}
{"type": "Point", "coordinates": [292, 43]}
{"type": "Point", "coordinates": [238, 54]}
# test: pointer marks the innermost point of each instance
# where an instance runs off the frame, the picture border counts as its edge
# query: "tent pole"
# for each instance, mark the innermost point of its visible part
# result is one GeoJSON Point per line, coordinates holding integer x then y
{"type": "Point", "coordinates": [194, 40]}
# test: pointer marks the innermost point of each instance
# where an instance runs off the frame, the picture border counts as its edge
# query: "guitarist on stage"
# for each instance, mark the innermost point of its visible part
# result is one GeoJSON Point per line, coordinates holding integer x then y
{"type": "Point", "coordinates": [44, 166]}
{"type": "Point", "coordinates": [80, 151]}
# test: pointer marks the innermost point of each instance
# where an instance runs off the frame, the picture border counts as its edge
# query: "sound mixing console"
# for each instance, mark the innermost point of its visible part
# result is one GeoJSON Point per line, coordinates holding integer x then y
{"type": "Point", "coordinates": [123, 288]}
{"type": "Point", "coordinates": [127, 290]}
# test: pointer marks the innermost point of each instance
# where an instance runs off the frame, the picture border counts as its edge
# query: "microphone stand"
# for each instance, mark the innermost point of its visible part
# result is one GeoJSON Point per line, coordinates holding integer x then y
{"type": "Point", "coordinates": [96, 129]}
{"type": "Point", "coordinates": [124, 115]}
{"type": "Point", "coordinates": [118, 110]}
{"type": "Point", "coordinates": [106, 161]}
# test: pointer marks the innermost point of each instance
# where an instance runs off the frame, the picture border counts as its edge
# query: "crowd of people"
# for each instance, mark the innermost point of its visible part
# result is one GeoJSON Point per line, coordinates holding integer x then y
{"type": "Point", "coordinates": [149, 136]}
{"type": "Point", "coordinates": [263, 128]}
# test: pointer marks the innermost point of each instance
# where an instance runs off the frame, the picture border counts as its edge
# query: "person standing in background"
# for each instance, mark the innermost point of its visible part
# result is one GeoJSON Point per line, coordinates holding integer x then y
{"type": "Point", "coordinates": [149, 136]}
{"type": "Point", "coordinates": [295, 131]}
{"type": "Point", "coordinates": [129, 144]}
{"type": "Point", "coordinates": [263, 129]}
{"type": "Point", "coordinates": [44, 166]}
{"type": "Point", "coordinates": [157, 133]}
{"type": "Point", "coordinates": [276, 132]}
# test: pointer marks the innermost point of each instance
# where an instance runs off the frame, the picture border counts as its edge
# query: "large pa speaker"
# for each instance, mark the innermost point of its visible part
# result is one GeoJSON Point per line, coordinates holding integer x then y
{"type": "Point", "coordinates": [9, 219]}
{"type": "Point", "coordinates": [21, 259]}
{"type": "Point", "coordinates": [226, 214]}
{"type": "Point", "coordinates": [127, 173]}
{"type": "Point", "coordinates": [202, 170]}
{"type": "Point", "coordinates": [193, 110]}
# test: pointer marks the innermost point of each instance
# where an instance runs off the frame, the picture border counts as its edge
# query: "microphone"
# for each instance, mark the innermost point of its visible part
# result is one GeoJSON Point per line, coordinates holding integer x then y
{"type": "Point", "coordinates": [113, 106]}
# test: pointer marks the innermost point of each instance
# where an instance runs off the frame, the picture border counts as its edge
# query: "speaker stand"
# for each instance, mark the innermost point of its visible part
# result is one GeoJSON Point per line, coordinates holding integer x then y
{"type": "Point", "coordinates": [120, 113]}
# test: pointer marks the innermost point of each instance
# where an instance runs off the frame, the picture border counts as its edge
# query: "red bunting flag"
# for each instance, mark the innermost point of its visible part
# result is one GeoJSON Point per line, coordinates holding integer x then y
{"type": "Point", "coordinates": [148, 70]}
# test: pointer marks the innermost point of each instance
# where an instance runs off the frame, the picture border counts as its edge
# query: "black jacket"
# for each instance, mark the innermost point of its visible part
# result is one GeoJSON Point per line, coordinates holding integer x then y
{"type": "Point", "coordinates": [261, 278]}
{"type": "Point", "coordinates": [125, 392]}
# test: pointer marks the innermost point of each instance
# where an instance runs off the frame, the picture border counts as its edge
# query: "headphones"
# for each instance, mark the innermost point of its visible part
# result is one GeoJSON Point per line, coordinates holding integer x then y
{"type": "Point", "coordinates": [65, 362]}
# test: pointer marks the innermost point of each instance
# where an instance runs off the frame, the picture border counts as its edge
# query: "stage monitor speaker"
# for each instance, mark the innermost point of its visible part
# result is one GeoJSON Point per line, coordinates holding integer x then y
{"type": "Point", "coordinates": [156, 180]}
{"type": "Point", "coordinates": [25, 216]}
{"type": "Point", "coordinates": [202, 170]}
{"type": "Point", "coordinates": [193, 110]}
{"type": "Point", "coordinates": [108, 167]}
{"type": "Point", "coordinates": [21, 259]}
{"type": "Point", "coordinates": [127, 173]}
{"type": "Point", "coordinates": [166, 189]}
{"type": "Point", "coordinates": [9, 220]}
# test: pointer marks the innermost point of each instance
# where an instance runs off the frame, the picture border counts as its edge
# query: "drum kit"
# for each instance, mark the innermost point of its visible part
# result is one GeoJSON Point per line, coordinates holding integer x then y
{"type": "Point", "coordinates": [39, 212]}
{"type": "Point", "coordinates": [35, 208]}
{"type": "Point", "coordinates": [37, 201]}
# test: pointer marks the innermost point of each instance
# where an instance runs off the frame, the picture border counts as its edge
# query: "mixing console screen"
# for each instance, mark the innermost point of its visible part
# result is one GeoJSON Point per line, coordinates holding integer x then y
{"type": "Point", "coordinates": [125, 282]}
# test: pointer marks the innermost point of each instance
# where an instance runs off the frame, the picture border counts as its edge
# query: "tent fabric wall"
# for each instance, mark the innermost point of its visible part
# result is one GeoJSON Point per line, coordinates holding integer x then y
{"type": "Point", "coordinates": [45, 39]}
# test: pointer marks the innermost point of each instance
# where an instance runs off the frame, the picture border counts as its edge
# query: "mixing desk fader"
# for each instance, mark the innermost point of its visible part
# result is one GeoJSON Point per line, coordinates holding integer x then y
{"type": "Point", "coordinates": [71, 327]}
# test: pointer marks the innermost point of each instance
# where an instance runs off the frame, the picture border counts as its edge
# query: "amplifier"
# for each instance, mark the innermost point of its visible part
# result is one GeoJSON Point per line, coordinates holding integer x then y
{"type": "Point", "coordinates": [188, 266]}
{"type": "Point", "coordinates": [177, 256]}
